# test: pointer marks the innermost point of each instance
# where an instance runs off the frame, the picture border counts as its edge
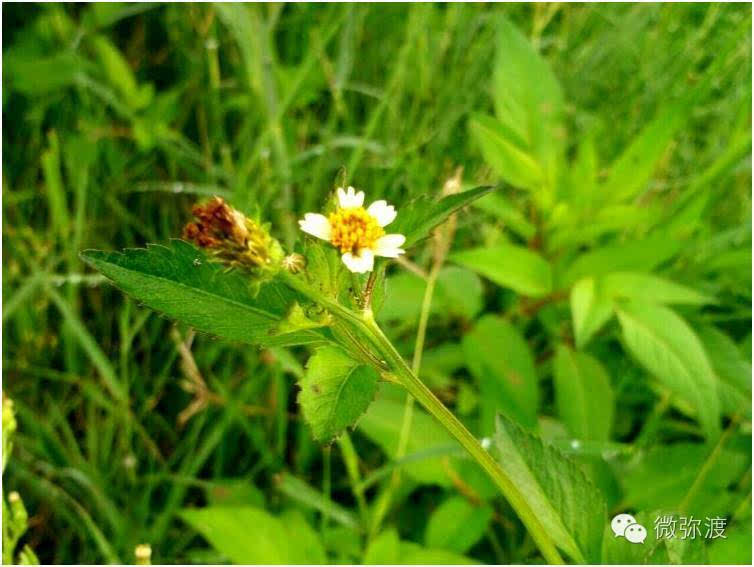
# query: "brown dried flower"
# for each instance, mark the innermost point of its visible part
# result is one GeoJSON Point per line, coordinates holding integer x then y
{"type": "Point", "coordinates": [231, 236]}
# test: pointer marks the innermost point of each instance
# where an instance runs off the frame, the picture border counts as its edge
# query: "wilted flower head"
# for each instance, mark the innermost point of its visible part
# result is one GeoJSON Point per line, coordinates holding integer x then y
{"type": "Point", "coordinates": [231, 236]}
{"type": "Point", "coordinates": [358, 232]}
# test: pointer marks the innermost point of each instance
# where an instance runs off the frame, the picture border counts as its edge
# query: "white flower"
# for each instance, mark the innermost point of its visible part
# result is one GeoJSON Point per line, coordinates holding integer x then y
{"type": "Point", "coordinates": [356, 231]}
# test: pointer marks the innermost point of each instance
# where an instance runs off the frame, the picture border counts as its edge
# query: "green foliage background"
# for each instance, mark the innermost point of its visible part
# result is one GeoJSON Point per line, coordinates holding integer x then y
{"type": "Point", "coordinates": [117, 117]}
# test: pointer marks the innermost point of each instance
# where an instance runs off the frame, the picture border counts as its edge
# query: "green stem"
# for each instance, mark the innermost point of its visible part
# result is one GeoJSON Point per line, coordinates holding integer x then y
{"type": "Point", "coordinates": [369, 328]}
{"type": "Point", "coordinates": [446, 418]}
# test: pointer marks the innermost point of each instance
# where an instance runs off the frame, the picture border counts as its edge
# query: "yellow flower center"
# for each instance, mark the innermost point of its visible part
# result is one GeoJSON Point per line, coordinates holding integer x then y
{"type": "Point", "coordinates": [354, 228]}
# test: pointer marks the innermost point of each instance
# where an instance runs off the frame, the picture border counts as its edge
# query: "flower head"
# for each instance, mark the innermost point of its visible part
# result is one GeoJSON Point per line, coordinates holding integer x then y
{"type": "Point", "coordinates": [231, 236]}
{"type": "Point", "coordinates": [357, 232]}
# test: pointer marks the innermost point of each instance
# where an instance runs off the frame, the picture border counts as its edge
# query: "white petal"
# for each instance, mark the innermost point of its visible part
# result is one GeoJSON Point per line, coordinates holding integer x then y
{"type": "Point", "coordinates": [384, 213]}
{"type": "Point", "coordinates": [350, 198]}
{"type": "Point", "coordinates": [364, 262]}
{"type": "Point", "coordinates": [316, 225]}
{"type": "Point", "coordinates": [389, 245]}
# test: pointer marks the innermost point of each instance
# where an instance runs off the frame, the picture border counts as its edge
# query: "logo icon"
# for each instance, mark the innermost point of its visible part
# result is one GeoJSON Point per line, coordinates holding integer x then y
{"type": "Point", "coordinates": [625, 525]}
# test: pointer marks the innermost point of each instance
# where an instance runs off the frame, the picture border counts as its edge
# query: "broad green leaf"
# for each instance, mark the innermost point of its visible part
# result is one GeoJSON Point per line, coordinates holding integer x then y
{"type": "Point", "coordinates": [504, 153]}
{"type": "Point", "coordinates": [565, 501]}
{"type": "Point", "coordinates": [631, 171]}
{"type": "Point", "coordinates": [650, 289]}
{"type": "Point", "coordinates": [732, 369]}
{"type": "Point", "coordinates": [335, 391]}
{"type": "Point", "coordinates": [457, 525]}
{"type": "Point", "coordinates": [528, 98]}
{"type": "Point", "coordinates": [584, 395]}
{"type": "Point", "coordinates": [507, 265]}
{"type": "Point", "coordinates": [388, 549]}
{"type": "Point", "coordinates": [382, 425]}
{"type": "Point", "coordinates": [248, 535]}
{"type": "Point", "coordinates": [498, 356]}
{"type": "Point", "coordinates": [635, 255]}
{"type": "Point", "coordinates": [181, 282]}
{"type": "Point", "coordinates": [668, 348]}
{"type": "Point", "coordinates": [417, 218]}
{"type": "Point", "coordinates": [590, 310]}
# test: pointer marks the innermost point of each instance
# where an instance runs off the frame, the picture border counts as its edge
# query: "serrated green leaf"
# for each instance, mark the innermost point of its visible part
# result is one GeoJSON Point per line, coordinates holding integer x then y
{"type": "Point", "coordinates": [335, 391]}
{"type": "Point", "coordinates": [248, 535]}
{"type": "Point", "coordinates": [565, 501]}
{"type": "Point", "coordinates": [668, 348]}
{"type": "Point", "coordinates": [498, 356]}
{"type": "Point", "coordinates": [518, 268]}
{"type": "Point", "coordinates": [417, 218]}
{"type": "Point", "coordinates": [457, 525]}
{"type": "Point", "coordinates": [181, 282]}
{"type": "Point", "coordinates": [584, 395]}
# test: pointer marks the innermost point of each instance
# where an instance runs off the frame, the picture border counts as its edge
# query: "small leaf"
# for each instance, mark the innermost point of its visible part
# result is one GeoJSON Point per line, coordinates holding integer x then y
{"type": "Point", "coordinates": [248, 535]}
{"type": "Point", "coordinates": [457, 525]}
{"type": "Point", "coordinates": [590, 310]}
{"type": "Point", "coordinates": [498, 356]}
{"type": "Point", "coordinates": [501, 150]}
{"type": "Point", "coordinates": [518, 268]}
{"type": "Point", "coordinates": [528, 98]}
{"type": "Point", "coordinates": [584, 395]}
{"type": "Point", "coordinates": [181, 282]}
{"type": "Point", "coordinates": [565, 501]}
{"type": "Point", "coordinates": [335, 391]}
{"type": "Point", "coordinates": [667, 347]}
{"type": "Point", "coordinates": [417, 219]}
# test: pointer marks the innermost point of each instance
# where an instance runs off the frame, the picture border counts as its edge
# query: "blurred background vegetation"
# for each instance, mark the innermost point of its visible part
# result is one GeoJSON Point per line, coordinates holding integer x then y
{"type": "Point", "coordinates": [117, 117]}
